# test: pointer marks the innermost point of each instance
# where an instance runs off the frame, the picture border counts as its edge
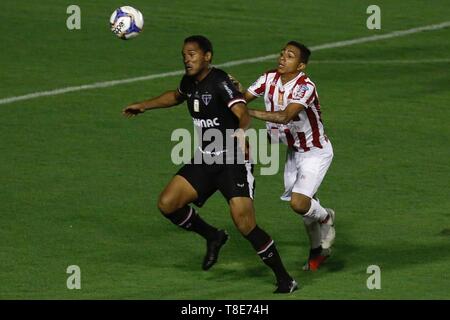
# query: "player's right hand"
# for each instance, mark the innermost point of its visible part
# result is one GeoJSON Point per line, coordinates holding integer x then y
{"type": "Point", "coordinates": [133, 110]}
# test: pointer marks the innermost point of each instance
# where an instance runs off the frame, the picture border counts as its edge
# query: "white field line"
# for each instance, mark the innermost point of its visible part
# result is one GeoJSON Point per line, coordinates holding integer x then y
{"type": "Point", "coordinates": [443, 60]}
{"type": "Point", "coordinates": [331, 45]}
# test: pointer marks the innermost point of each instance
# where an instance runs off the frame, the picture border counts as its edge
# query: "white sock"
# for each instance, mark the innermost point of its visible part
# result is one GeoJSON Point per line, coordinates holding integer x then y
{"type": "Point", "coordinates": [316, 211]}
{"type": "Point", "coordinates": [313, 230]}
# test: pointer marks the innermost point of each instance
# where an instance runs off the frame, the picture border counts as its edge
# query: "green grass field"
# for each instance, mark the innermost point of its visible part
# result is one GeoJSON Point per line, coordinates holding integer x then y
{"type": "Point", "coordinates": [79, 183]}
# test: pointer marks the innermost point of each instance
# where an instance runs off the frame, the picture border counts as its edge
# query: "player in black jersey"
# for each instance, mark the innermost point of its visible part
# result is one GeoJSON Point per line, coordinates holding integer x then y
{"type": "Point", "coordinates": [217, 108]}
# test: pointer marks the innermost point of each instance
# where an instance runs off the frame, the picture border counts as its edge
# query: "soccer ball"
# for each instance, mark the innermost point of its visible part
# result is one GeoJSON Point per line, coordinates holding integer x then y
{"type": "Point", "coordinates": [126, 22]}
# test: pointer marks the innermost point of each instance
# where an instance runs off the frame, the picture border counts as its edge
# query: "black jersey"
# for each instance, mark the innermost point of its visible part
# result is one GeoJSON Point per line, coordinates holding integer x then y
{"type": "Point", "coordinates": [209, 102]}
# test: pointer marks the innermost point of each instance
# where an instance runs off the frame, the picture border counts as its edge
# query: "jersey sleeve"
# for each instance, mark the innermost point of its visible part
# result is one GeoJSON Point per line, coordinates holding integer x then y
{"type": "Point", "coordinates": [228, 92]}
{"type": "Point", "coordinates": [259, 86]}
{"type": "Point", "coordinates": [302, 93]}
{"type": "Point", "coordinates": [182, 87]}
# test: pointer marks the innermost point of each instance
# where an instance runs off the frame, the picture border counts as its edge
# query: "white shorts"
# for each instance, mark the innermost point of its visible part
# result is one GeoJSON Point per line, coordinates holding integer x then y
{"type": "Point", "coordinates": [304, 171]}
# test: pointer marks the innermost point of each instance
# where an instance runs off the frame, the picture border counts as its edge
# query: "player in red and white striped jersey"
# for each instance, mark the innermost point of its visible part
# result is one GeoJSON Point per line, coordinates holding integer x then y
{"type": "Point", "coordinates": [293, 117]}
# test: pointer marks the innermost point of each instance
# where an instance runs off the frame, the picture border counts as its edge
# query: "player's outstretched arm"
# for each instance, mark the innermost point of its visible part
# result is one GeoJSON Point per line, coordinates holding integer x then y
{"type": "Point", "coordinates": [283, 117]}
{"type": "Point", "coordinates": [249, 97]}
{"type": "Point", "coordinates": [166, 100]}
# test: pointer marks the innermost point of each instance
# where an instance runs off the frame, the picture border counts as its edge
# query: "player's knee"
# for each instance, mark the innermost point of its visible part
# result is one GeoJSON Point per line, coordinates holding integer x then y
{"type": "Point", "coordinates": [245, 227]}
{"type": "Point", "coordinates": [243, 221]}
{"type": "Point", "coordinates": [301, 206]}
{"type": "Point", "coordinates": [166, 204]}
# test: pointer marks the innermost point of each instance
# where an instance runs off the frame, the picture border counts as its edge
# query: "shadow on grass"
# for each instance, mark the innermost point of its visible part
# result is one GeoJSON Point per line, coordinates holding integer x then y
{"type": "Point", "coordinates": [238, 261]}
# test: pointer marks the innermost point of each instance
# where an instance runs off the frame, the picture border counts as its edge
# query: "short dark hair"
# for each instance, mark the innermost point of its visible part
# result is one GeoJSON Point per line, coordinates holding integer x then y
{"type": "Point", "coordinates": [202, 42]}
{"type": "Point", "coordinates": [304, 51]}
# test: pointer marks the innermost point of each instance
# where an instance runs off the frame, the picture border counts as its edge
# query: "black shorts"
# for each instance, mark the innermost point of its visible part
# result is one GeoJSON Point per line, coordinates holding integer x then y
{"type": "Point", "coordinates": [232, 180]}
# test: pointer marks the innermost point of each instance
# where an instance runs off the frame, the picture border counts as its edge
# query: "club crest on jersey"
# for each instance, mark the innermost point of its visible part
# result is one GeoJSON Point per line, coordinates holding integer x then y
{"type": "Point", "coordinates": [206, 98]}
{"type": "Point", "coordinates": [300, 91]}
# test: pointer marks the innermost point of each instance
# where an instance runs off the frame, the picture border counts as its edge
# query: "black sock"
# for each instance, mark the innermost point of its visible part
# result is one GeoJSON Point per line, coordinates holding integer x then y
{"type": "Point", "coordinates": [315, 251]}
{"type": "Point", "coordinates": [267, 251]}
{"type": "Point", "coordinates": [188, 219]}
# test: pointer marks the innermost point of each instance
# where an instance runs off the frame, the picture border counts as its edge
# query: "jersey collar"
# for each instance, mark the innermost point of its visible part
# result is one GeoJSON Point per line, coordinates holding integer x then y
{"type": "Point", "coordinates": [292, 80]}
{"type": "Point", "coordinates": [206, 77]}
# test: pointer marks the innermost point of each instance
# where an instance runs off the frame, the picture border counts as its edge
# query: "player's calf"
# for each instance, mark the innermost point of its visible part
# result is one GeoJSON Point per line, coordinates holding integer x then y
{"type": "Point", "coordinates": [243, 214]}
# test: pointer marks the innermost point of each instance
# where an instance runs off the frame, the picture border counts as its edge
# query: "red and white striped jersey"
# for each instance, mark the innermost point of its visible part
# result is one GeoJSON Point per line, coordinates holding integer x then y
{"type": "Point", "coordinates": [306, 130]}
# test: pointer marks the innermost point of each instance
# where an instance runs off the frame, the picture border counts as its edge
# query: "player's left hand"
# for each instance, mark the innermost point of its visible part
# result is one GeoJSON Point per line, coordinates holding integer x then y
{"type": "Point", "coordinates": [133, 110]}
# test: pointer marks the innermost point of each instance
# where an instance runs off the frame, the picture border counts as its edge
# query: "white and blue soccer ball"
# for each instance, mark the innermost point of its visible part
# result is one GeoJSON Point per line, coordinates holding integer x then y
{"type": "Point", "coordinates": [126, 22]}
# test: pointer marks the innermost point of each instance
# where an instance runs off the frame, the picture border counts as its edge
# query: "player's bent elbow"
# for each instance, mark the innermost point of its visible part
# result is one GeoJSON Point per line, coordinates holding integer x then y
{"type": "Point", "coordinates": [284, 118]}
